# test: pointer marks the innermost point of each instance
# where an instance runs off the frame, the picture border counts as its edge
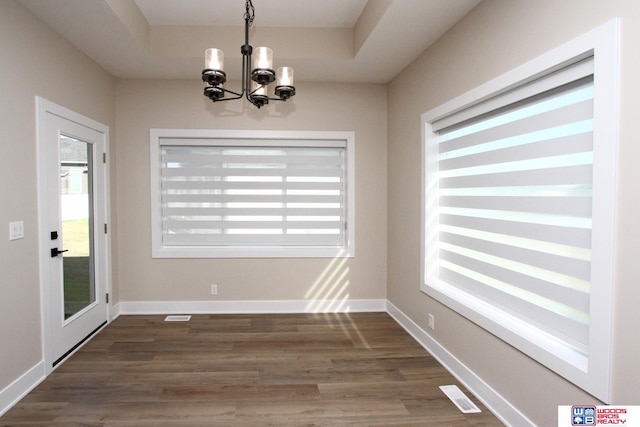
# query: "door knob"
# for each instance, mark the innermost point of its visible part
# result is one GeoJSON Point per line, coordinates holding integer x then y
{"type": "Point", "coordinates": [55, 252]}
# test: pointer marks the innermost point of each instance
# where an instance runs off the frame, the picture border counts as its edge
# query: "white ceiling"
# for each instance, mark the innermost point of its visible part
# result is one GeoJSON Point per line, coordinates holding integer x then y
{"type": "Point", "coordinates": [321, 39]}
{"type": "Point", "coordinates": [269, 13]}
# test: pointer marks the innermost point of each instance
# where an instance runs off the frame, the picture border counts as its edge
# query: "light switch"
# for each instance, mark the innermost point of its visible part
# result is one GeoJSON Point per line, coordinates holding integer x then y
{"type": "Point", "coordinates": [16, 230]}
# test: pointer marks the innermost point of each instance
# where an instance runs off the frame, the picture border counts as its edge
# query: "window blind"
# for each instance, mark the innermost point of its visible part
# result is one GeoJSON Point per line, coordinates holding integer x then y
{"type": "Point", "coordinates": [559, 76]}
{"type": "Point", "coordinates": [513, 197]}
{"type": "Point", "coordinates": [250, 195]}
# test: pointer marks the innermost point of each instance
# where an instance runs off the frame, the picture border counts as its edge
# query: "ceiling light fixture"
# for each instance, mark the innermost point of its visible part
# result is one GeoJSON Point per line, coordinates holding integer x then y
{"type": "Point", "coordinates": [256, 74]}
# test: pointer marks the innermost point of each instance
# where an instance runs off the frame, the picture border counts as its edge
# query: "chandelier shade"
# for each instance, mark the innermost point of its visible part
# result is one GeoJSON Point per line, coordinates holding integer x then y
{"type": "Point", "coordinates": [263, 58]}
{"type": "Point", "coordinates": [257, 72]}
{"type": "Point", "coordinates": [214, 59]}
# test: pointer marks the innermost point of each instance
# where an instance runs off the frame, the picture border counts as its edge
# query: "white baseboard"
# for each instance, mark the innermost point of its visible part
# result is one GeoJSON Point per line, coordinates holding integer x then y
{"type": "Point", "coordinates": [495, 402]}
{"type": "Point", "coordinates": [18, 389]}
{"type": "Point", "coordinates": [247, 307]}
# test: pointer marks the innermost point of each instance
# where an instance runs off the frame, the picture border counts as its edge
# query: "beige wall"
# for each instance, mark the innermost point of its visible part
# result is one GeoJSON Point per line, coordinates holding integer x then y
{"type": "Point", "coordinates": [34, 62]}
{"type": "Point", "coordinates": [145, 104]}
{"type": "Point", "coordinates": [495, 37]}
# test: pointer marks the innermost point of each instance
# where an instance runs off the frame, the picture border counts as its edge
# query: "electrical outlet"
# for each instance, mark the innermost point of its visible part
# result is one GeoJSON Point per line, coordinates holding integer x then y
{"type": "Point", "coordinates": [214, 289]}
{"type": "Point", "coordinates": [16, 230]}
{"type": "Point", "coordinates": [432, 321]}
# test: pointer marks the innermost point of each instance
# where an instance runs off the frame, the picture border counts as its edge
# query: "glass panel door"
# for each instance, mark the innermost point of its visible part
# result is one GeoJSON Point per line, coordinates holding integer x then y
{"type": "Point", "coordinates": [76, 203]}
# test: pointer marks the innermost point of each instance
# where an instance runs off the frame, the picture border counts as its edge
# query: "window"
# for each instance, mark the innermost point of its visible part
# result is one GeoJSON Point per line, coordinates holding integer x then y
{"type": "Point", "coordinates": [252, 194]}
{"type": "Point", "coordinates": [519, 207]}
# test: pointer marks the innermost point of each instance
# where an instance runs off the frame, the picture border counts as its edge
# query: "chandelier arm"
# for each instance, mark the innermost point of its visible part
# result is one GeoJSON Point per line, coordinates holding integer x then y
{"type": "Point", "coordinates": [251, 92]}
{"type": "Point", "coordinates": [236, 95]}
{"type": "Point", "coordinates": [228, 99]}
{"type": "Point", "coordinates": [218, 93]}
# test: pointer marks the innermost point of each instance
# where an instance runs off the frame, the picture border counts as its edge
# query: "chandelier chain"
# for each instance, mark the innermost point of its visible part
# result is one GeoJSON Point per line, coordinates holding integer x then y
{"type": "Point", "coordinates": [250, 12]}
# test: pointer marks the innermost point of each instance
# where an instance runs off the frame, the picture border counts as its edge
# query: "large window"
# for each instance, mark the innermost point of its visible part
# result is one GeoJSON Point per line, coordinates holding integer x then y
{"type": "Point", "coordinates": [519, 207]}
{"type": "Point", "coordinates": [252, 194]}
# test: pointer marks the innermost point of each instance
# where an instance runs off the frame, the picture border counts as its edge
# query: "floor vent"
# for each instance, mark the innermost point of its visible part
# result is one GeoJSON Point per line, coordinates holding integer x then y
{"type": "Point", "coordinates": [177, 318]}
{"type": "Point", "coordinates": [459, 399]}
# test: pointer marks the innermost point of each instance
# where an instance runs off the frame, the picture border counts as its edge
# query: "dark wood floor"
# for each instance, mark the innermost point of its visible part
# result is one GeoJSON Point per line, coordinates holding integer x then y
{"type": "Point", "coordinates": [358, 369]}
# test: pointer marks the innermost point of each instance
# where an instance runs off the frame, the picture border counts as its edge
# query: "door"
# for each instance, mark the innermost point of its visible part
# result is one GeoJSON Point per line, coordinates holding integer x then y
{"type": "Point", "coordinates": [74, 247]}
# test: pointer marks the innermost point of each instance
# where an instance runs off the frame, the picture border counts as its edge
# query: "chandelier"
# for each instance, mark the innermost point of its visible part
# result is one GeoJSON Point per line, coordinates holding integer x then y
{"type": "Point", "coordinates": [257, 72]}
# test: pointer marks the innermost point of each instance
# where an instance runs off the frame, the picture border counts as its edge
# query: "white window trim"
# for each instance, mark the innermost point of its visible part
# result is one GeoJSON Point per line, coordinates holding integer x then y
{"type": "Point", "coordinates": [160, 251]}
{"type": "Point", "coordinates": [592, 373]}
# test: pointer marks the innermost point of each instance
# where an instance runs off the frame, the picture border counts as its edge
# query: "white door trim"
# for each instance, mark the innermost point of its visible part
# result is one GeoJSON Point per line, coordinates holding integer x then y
{"type": "Point", "coordinates": [44, 107]}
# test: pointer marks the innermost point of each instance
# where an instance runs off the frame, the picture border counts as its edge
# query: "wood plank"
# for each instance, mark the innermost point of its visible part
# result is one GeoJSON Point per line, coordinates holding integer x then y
{"type": "Point", "coordinates": [333, 370]}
